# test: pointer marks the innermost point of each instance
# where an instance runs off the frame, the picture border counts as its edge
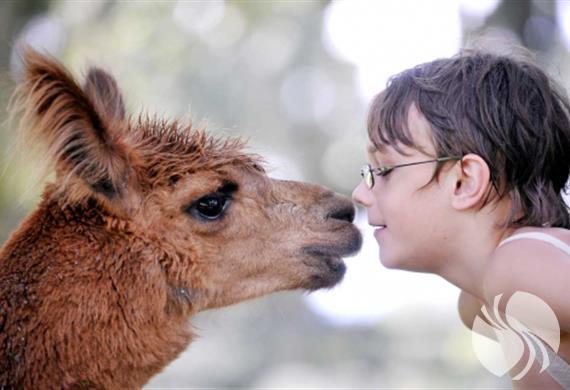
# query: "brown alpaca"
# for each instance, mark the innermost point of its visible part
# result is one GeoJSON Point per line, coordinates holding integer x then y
{"type": "Point", "coordinates": [147, 223]}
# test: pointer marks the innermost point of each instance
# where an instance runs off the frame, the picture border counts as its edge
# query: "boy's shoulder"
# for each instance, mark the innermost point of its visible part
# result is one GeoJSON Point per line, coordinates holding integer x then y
{"type": "Point", "coordinates": [533, 266]}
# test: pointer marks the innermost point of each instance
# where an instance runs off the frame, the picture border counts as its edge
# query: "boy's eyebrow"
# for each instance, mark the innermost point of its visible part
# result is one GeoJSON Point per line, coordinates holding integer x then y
{"type": "Point", "coordinates": [382, 149]}
{"type": "Point", "coordinates": [373, 149]}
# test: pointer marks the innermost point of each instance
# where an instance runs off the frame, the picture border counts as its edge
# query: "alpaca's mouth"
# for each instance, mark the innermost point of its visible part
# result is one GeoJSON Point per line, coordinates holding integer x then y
{"type": "Point", "coordinates": [326, 260]}
{"type": "Point", "coordinates": [326, 271]}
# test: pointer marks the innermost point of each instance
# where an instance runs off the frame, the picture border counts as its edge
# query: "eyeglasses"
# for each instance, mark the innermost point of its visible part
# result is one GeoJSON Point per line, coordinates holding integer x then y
{"type": "Point", "coordinates": [368, 173]}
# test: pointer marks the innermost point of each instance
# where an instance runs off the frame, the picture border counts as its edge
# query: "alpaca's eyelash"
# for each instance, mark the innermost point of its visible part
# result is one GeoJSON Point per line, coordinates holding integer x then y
{"type": "Point", "coordinates": [228, 188]}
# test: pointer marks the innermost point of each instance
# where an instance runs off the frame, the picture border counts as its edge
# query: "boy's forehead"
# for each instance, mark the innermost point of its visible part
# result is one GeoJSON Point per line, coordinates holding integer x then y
{"type": "Point", "coordinates": [421, 135]}
{"type": "Point", "coordinates": [420, 129]}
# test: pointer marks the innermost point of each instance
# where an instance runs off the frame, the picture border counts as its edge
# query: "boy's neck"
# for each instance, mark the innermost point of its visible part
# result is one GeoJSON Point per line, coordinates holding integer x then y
{"type": "Point", "coordinates": [467, 262]}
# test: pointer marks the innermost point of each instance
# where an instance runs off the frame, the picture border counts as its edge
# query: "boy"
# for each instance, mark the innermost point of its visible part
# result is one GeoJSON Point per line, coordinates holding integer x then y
{"type": "Point", "coordinates": [464, 154]}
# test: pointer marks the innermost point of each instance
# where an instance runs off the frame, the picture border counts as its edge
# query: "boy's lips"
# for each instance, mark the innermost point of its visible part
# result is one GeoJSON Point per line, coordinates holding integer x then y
{"type": "Point", "coordinates": [379, 229]}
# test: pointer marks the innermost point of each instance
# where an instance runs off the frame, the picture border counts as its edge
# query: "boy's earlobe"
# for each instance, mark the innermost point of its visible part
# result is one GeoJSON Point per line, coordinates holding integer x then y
{"type": "Point", "coordinates": [472, 182]}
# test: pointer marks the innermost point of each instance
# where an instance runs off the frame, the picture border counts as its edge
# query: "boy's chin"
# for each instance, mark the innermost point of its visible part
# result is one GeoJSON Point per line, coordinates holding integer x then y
{"type": "Point", "coordinates": [389, 263]}
{"type": "Point", "coordinates": [402, 264]}
{"type": "Point", "coordinates": [393, 263]}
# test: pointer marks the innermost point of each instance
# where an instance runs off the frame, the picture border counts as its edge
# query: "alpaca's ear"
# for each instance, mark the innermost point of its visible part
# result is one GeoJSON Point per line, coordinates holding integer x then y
{"type": "Point", "coordinates": [80, 126]}
{"type": "Point", "coordinates": [103, 92]}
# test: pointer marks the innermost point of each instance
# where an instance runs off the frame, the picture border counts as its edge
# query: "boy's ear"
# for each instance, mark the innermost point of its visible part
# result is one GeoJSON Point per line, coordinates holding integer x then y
{"type": "Point", "coordinates": [471, 181]}
{"type": "Point", "coordinates": [79, 126]}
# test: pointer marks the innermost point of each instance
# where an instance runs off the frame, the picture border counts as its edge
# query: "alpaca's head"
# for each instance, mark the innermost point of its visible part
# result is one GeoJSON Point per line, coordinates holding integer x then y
{"type": "Point", "coordinates": [227, 231]}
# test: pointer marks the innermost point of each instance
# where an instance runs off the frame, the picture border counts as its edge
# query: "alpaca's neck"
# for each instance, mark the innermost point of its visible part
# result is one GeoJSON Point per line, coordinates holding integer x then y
{"type": "Point", "coordinates": [82, 304]}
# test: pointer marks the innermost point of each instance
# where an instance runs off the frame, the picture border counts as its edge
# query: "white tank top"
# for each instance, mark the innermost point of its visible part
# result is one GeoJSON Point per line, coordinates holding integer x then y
{"type": "Point", "coordinates": [541, 237]}
{"type": "Point", "coordinates": [559, 369]}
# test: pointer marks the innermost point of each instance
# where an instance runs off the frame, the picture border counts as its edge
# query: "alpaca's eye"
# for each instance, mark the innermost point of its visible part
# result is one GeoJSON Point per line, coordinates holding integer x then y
{"type": "Point", "coordinates": [210, 207]}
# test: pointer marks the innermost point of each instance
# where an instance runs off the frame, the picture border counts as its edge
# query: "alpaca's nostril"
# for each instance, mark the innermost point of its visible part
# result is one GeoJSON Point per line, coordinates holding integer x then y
{"type": "Point", "coordinates": [336, 266]}
{"type": "Point", "coordinates": [344, 214]}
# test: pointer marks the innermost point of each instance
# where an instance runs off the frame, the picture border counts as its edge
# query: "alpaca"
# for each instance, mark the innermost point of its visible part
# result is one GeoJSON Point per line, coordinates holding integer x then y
{"type": "Point", "coordinates": [146, 223]}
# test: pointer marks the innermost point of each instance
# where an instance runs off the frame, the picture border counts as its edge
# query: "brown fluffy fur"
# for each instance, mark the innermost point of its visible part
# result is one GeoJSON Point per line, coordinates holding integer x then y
{"type": "Point", "coordinates": [99, 282]}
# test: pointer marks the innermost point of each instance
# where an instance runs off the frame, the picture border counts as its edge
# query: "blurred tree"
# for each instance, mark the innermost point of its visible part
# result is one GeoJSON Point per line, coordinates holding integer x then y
{"type": "Point", "coordinates": [511, 14]}
{"type": "Point", "coordinates": [533, 22]}
{"type": "Point", "coordinates": [14, 14]}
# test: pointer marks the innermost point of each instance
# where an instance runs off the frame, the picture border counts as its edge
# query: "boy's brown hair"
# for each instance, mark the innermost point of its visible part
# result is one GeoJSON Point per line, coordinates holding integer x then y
{"type": "Point", "coordinates": [504, 109]}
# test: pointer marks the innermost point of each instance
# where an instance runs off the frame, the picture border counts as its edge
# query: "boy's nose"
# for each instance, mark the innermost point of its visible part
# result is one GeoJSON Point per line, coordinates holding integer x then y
{"type": "Point", "coordinates": [362, 196]}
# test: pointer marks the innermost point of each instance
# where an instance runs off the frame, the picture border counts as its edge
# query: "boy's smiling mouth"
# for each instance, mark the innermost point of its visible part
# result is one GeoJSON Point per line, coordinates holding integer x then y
{"type": "Point", "coordinates": [379, 228]}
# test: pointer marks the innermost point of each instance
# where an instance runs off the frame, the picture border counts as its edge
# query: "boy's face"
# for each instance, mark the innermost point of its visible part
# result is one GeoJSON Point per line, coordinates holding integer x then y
{"type": "Point", "coordinates": [418, 221]}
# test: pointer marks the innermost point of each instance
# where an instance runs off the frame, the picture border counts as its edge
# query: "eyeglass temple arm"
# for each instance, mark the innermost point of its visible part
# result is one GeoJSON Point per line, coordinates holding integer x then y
{"type": "Point", "coordinates": [440, 159]}
{"type": "Point", "coordinates": [379, 171]}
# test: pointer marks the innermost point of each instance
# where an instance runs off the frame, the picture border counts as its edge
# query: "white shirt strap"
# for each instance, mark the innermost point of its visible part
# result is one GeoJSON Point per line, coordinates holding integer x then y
{"type": "Point", "coordinates": [541, 237]}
